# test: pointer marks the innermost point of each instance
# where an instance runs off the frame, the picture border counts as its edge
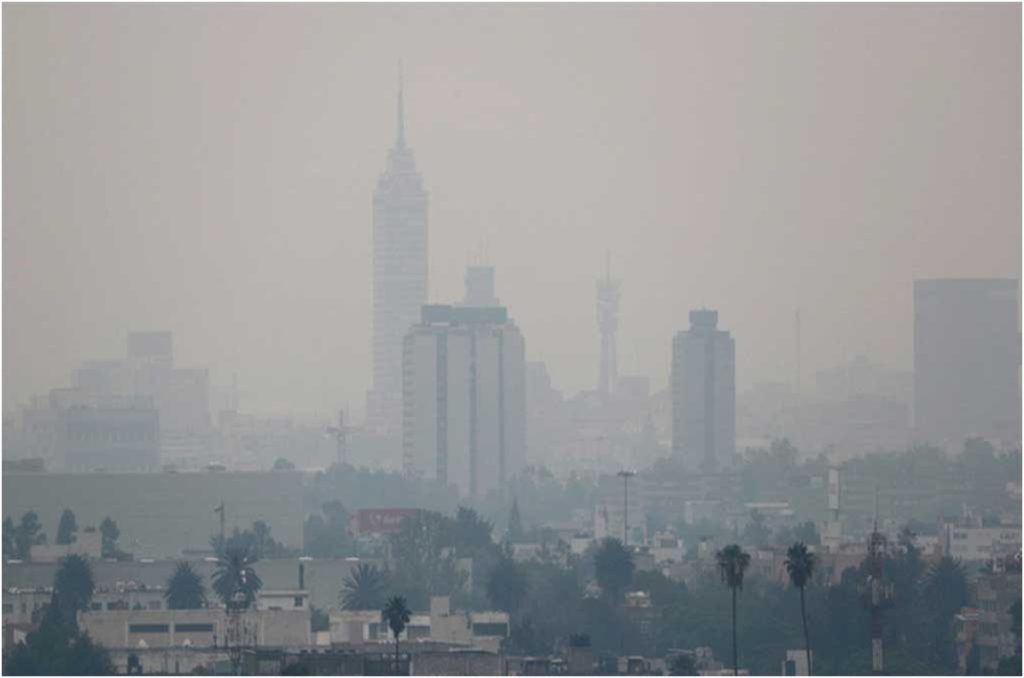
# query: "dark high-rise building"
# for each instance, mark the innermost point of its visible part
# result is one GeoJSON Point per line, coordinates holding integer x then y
{"type": "Point", "coordinates": [399, 276]}
{"type": "Point", "coordinates": [703, 393]}
{"type": "Point", "coordinates": [966, 361]}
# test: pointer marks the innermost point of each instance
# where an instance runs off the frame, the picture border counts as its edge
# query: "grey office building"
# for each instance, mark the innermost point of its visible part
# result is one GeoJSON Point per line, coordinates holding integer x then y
{"type": "Point", "coordinates": [966, 361]}
{"type": "Point", "coordinates": [464, 403]}
{"type": "Point", "coordinates": [703, 393]}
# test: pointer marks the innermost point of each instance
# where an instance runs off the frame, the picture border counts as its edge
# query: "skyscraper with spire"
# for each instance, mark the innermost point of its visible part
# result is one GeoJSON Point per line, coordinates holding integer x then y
{"type": "Point", "coordinates": [399, 274]}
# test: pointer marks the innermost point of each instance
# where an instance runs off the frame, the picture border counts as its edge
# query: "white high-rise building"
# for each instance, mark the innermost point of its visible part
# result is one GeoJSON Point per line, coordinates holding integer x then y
{"type": "Point", "coordinates": [399, 276]}
{"type": "Point", "coordinates": [464, 410]}
{"type": "Point", "coordinates": [704, 393]}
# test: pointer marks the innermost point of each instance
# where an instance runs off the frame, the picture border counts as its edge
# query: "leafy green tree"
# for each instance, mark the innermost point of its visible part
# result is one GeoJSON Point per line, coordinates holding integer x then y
{"type": "Point", "coordinates": [506, 586]}
{"type": "Point", "coordinates": [282, 464]}
{"type": "Point", "coordinates": [73, 587]}
{"type": "Point", "coordinates": [57, 649]}
{"type": "Point", "coordinates": [613, 567]}
{"type": "Point", "coordinates": [396, 615]}
{"type": "Point", "coordinates": [109, 534]}
{"type": "Point", "coordinates": [732, 565]}
{"type": "Point", "coordinates": [235, 581]}
{"type": "Point", "coordinates": [67, 528]}
{"type": "Point", "coordinates": [185, 590]}
{"type": "Point", "coordinates": [800, 567]}
{"type": "Point", "coordinates": [327, 535]}
{"type": "Point", "coordinates": [943, 592]}
{"type": "Point", "coordinates": [29, 533]}
{"type": "Point", "coordinates": [425, 560]}
{"type": "Point", "coordinates": [257, 541]}
{"type": "Point", "coordinates": [469, 532]}
{"type": "Point", "coordinates": [364, 588]}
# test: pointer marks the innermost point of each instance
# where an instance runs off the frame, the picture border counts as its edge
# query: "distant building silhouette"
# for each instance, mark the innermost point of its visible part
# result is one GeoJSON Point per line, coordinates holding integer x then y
{"type": "Point", "coordinates": [966, 361]}
{"type": "Point", "coordinates": [399, 275]}
{"type": "Point", "coordinates": [480, 286]}
{"type": "Point", "coordinates": [703, 393]}
{"type": "Point", "coordinates": [464, 410]}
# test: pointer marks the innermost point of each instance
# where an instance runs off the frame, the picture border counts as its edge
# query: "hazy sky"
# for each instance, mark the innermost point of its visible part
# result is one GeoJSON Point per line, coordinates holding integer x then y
{"type": "Point", "coordinates": [209, 170]}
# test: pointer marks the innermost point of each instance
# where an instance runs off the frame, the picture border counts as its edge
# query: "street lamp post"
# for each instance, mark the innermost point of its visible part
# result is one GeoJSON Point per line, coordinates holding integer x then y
{"type": "Point", "coordinates": [625, 475]}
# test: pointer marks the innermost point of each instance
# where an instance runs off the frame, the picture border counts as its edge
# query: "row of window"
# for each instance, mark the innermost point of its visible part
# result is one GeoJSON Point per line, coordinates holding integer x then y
{"type": "Point", "coordinates": [164, 628]}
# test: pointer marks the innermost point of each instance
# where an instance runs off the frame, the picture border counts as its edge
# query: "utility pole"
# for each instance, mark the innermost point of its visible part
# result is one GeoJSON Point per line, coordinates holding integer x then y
{"type": "Point", "coordinates": [625, 475]}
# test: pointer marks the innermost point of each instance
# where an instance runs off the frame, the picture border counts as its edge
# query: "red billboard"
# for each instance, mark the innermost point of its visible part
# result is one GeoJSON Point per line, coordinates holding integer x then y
{"type": "Point", "coordinates": [370, 521]}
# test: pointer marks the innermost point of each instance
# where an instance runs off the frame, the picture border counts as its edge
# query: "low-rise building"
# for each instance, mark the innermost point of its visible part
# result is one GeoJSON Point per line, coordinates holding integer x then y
{"type": "Point", "coordinates": [981, 543]}
{"type": "Point", "coordinates": [207, 627]}
{"type": "Point", "coordinates": [481, 630]}
{"type": "Point", "coordinates": [367, 626]}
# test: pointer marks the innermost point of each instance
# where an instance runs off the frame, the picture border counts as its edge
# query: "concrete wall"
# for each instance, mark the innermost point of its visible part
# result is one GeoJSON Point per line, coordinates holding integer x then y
{"type": "Point", "coordinates": [161, 514]}
{"type": "Point", "coordinates": [460, 663]}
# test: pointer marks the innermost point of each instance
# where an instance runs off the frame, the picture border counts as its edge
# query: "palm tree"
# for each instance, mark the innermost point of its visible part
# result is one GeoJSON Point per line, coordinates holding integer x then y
{"type": "Point", "coordinates": [732, 563]}
{"type": "Point", "coordinates": [363, 588]}
{"type": "Point", "coordinates": [800, 567]}
{"type": "Point", "coordinates": [185, 589]}
{"type": "Point", "coordinates": [396, 614]}
{"type": "Point", "coordinates": [235, 581]}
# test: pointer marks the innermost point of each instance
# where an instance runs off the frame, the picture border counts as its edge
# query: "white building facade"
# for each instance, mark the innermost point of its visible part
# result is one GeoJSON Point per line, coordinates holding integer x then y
{"type": "Point", "coordinates": [464, 410]}
{"type": "Point", "coordinates": [399, 276]}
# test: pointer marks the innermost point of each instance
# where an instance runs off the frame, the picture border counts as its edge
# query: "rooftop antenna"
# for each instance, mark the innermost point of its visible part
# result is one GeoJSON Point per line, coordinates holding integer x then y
{"type": "Point", "coordinates": [400, 116]}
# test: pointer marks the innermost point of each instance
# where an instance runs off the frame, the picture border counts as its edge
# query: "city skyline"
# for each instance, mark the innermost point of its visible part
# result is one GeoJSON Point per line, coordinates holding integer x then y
{"type": "Point", "coordinates": [288, 229]}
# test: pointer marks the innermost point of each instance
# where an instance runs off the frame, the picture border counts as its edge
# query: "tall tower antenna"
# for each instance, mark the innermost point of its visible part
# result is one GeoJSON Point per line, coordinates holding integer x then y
{"type": "Point", "coordinates": [608, 325]}
{"type": "Point", "coordinates": [400, 118]}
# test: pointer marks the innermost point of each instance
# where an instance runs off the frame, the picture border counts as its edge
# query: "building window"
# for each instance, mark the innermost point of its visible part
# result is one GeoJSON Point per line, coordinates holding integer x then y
{"type": "Point", "coordinates": [298, 601]}
{"type": "Point", "coordinates": [148, 628]}
{"type": "Point", "coordinates": [193, 628]}
{"type": "Point", "coordinates": [490, 629]}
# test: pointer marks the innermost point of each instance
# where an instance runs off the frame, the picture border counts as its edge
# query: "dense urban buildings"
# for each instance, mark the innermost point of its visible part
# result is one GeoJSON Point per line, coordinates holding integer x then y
{"type": "Point", "coordinates": [966, 361]}
{"type": "Point", "coordinates": [132, 414]}
{"type": "Point", "coordinates": [465, 399]}
{"type": "Point", "coordinates": [399, 276]}
{"type": "Point", "coordinates": [704, 393]}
